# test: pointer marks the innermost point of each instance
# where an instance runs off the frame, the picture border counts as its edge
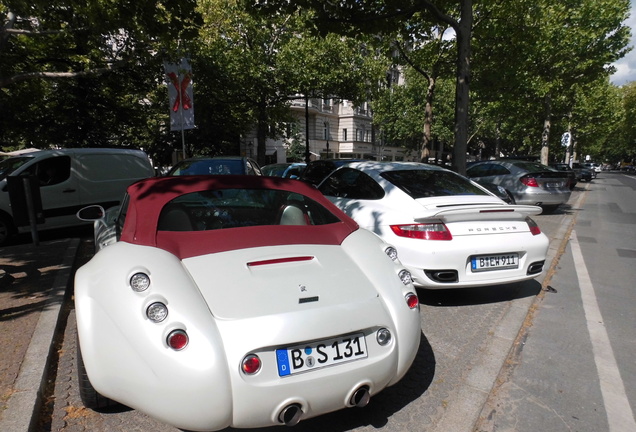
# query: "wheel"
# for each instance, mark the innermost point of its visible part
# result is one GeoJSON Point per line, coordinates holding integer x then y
{"type": "Point", "coordinates": [7, 229]}
{"type": "Point", "coordinates": [511, 198]}
{"type": "Point", "coordinates": [90, 397]}
{"type": "Point", "coordinates": [549, 209]}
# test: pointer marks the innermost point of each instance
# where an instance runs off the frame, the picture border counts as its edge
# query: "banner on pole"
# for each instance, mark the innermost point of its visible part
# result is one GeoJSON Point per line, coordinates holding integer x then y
{"type": "Point", "coordinates": [180, 95]}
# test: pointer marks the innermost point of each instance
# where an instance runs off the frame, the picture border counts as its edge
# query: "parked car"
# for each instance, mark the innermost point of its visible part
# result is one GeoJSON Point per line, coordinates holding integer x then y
{"type": "Point", "coordinates": [65, 180]}
{"type": "Point", "coordinates": [216, 165]}
{"type": "Point", "coordinates": [572, 176]}
{"type": "Point", "coordinates": [526, 182]}
{"type": "Point", "coordinates": [285, 170]}
{"type": "Point", "coordinates": [449, 232]}
{"type": "Point", "coordinates": [496, 190]}
{"type": "Point", "coordinates": [583, 173]}
{"type": "Point", "coordinates": [317, 170]}
{"type": "Point", "coordinates": [593, 166]}
{"type": "Point", "coordinates": [239, 301]}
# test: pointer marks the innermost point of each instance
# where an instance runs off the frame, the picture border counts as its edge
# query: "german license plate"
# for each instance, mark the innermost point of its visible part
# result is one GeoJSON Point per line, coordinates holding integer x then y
{"type": "Point", "coordinates": [318, 354]}
{"type": "Point", "coordinates": [494, 262]}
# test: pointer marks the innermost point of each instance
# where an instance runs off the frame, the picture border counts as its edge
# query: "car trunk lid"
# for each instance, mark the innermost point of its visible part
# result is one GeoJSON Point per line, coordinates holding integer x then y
{"type": "Point", "coordinates": [279, 279]}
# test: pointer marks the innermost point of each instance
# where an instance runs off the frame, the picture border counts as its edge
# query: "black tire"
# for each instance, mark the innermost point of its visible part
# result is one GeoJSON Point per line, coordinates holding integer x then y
{"type": "Point", "coordinates": [90, 397]}
{"type": "Point", "coordinates": [7, 229]}
{"type": "Point", "coordinates": [549, 209]}
{"type": "Point", "coordinates": [511, 198]}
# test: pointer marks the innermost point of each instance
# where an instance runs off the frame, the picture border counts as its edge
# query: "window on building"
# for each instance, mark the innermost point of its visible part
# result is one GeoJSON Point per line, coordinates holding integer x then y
{"type": "Point", "coordinates": [344, 134]}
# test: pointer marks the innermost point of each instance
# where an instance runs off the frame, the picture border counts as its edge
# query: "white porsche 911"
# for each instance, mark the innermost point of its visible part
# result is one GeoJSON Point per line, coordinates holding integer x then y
{"type": "Point", "coordinates": [242, 301]}
{"type": "Point", "coordinates": [449, 231]}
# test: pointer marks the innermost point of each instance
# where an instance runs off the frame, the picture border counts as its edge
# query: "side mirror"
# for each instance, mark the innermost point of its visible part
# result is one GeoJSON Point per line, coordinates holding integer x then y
{"type": "Point", "coordinates": [91, 213]}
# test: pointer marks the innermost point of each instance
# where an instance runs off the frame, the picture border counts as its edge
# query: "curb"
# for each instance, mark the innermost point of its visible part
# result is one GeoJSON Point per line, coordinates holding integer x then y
{"type": "Point", "coordinates": [26, 400]}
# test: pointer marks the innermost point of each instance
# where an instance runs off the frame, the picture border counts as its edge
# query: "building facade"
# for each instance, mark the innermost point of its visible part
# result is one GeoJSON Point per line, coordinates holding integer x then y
{"type": "Point", "coordinates": [335, 129]}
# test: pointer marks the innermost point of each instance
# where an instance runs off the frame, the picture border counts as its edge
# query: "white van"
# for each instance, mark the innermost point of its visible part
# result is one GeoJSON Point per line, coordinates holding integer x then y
{"type": "Point", "coordinates": [68, 179]}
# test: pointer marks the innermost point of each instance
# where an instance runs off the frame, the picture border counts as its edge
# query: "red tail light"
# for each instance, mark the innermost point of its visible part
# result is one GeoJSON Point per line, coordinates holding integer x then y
{"type": "Point", "coordinates": [529, 181]}
{"type": "Point", "coordinates": [251, 364]}
{"type": "Point", "coordinates": [177, 340]}
{"type": "Point", "coordinates": [427, 231]}
{"type": "Point", "coordinates": [534, 228]}
{"type": "Point", "coordinates": [412, 301]}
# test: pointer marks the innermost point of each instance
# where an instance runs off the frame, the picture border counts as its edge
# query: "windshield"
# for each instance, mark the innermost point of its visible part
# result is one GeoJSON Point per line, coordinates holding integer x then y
{"type": "Point", "coordinates": [432, 183]}
{"type": "Point", "coordinates": [8, 166]}
{"type": "Point", "coordinates": [234, 208]}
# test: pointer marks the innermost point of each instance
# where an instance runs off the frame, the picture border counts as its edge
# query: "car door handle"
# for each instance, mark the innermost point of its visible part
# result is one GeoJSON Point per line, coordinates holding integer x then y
{"type": "Point", "coordinates": [68, 191]}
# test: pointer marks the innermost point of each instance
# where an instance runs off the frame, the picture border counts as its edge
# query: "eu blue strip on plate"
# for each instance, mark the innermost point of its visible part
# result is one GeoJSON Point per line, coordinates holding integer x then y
{"type": "Point", "coordinates": [283, 362]}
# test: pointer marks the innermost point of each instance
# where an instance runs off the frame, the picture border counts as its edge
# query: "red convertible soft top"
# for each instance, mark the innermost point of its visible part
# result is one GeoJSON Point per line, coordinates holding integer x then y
{"type": "Point", "coordinates": [148, 197]}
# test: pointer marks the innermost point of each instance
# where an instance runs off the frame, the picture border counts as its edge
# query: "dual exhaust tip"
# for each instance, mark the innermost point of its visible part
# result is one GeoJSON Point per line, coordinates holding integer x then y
{"type": "Point", "coordinates": [292, 413]}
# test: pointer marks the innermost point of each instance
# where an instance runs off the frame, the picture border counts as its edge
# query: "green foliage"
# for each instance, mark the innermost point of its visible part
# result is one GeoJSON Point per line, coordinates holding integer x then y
{"type": "Point", "coordinates": [530, 52]}
{"type": "Point", "coordinates": [76, 73]}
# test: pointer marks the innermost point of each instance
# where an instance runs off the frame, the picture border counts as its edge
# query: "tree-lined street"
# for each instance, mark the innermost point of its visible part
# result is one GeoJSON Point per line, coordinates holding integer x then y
{"type": "Point", "coordinates": [517, 357]}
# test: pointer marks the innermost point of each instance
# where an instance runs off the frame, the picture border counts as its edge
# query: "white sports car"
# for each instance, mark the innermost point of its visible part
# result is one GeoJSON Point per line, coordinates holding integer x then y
{"type": "Point", "coordinates": [242, 301]}
{"type": "Point", "coordinates": [449, 231]}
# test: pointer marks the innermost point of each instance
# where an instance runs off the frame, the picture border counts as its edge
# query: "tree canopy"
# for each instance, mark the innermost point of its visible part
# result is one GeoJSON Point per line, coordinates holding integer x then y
{"type": "Point", "coordinates": [483, 77]}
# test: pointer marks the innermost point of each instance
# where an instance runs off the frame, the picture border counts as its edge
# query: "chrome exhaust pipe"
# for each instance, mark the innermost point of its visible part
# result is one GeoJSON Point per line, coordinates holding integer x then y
{"type": "Point", "coordinates": [290, 415]}
{"type": "Point", "coordinates": [361, 397]}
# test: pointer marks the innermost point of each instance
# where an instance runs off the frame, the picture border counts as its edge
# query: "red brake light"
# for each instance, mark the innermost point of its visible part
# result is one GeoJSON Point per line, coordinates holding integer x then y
{"type": "Point", "coordinates": [534, 228]}
{"type": "Point", "coordinates": [426, 231]}
{"type": "Point", "coordinates": [251, 364]}
{"type": "Point", "coordinates": [529, 181]}
{"type": "Point", "coordinates": [412, 301]}
{"type": "Point", "coordinates": [177, 340]}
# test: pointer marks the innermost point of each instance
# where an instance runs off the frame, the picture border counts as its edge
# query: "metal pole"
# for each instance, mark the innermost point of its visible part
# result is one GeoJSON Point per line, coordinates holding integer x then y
{"type": "Point", "coordinates": [307, 129]}
{"type": "Point", "coordinates": [183, 148]}
{"type": "Point", "coordinates": [31, 210]}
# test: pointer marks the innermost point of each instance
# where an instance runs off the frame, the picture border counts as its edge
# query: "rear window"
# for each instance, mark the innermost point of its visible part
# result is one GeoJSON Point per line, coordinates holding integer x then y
{"type": "Point", "coordinates": [234, 208]}
{"type": "Point", "coordinates": [531, 167]}
{"type": "Point", "coordinates": [425, 183]}
{"type": "Point", "coordinates": [206, 167]}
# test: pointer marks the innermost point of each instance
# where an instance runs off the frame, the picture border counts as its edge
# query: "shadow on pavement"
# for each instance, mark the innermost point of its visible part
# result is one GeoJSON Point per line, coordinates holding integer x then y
{"type": "Point", "coordinates": [477, 296]}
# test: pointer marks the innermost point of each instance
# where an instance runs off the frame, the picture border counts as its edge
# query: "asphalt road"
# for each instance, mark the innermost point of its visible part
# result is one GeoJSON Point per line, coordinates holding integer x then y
{"type": "Point", "coordinates": [486, 357]}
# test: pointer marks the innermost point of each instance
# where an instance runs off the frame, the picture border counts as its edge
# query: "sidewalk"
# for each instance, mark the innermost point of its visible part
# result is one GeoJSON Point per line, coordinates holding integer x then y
{"type": "Point", "coordinates": [33, 283]}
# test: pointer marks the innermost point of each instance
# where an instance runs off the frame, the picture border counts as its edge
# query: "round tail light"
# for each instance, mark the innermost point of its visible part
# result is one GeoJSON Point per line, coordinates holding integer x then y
{"type": "Point", "coordinates": [139, 282]}
{"type": "Point", "coordinates": [251, 364]}
{"type": "Point", "coordinates": [177, 340]}
{"type": "Point", "coordinates": [412, 301]}
{"type": "Point", "coordinates": [157, 312]}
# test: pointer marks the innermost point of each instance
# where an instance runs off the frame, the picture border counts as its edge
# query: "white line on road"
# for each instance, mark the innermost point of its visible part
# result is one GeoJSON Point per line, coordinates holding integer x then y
{"type": "Point", "coordinates": [619, 412]}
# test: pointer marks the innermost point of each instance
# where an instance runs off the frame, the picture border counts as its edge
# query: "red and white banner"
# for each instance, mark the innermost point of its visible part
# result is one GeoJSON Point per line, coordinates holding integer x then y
{"type": "Point", "coordinates": [179, 81]}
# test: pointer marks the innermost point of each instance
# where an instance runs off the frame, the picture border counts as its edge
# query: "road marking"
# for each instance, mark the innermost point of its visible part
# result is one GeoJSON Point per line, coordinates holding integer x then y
{"type": "Point", "coordinates": [619, 412]}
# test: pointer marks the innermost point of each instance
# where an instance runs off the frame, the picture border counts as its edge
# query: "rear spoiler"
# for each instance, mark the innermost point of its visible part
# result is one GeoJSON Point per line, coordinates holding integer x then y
{"type": "Point", "coordinates": [478, 212]}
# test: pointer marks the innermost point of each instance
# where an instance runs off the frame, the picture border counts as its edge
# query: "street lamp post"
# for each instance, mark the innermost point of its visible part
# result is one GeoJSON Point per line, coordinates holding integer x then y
{"type": "Point", "coordinates": [327, 136]}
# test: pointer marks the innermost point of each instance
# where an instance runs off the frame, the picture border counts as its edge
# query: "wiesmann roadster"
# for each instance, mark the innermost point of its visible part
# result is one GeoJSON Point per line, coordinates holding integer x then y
{"type": "Point", "coordinates": [242, 301]}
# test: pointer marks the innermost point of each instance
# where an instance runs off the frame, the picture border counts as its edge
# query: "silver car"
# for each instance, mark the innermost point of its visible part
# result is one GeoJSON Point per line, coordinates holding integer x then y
{"type": "Point", "coordinates": [525, 182]}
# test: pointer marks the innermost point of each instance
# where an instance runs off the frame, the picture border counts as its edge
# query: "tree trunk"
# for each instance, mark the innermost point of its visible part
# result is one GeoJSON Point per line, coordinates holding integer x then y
{"type": "Point", "coordinates": [545, 136]}
{"type": "Point", "coordinates": [463, 31]}
{"type": "Point", "coordinates": [428, 120]}
{"type": "Point", "coordinates": [261, 133]}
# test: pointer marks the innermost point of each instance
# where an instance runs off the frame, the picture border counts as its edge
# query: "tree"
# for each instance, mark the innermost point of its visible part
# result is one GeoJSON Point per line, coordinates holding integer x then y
{"type": "Point", "coordinates": [384, 18]}
{"type": "Point", "coordinates": [76, 73]}
{"type": "Point", "coordinates": [559, 48]}
{"type": "Point", "coordinates": [268, 61]}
